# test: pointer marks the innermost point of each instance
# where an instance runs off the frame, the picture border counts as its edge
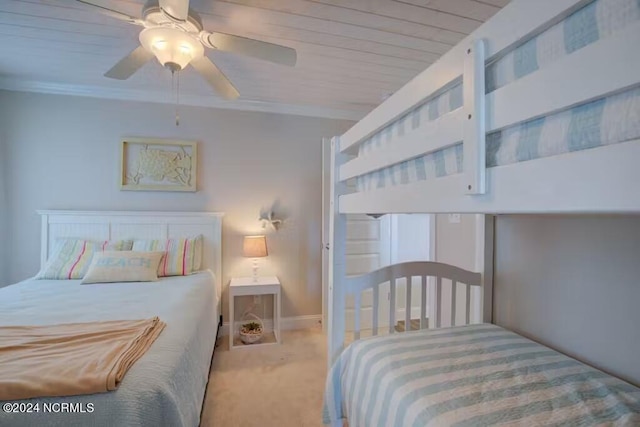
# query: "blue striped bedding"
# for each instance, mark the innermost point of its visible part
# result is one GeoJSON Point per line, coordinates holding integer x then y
{"type": "Point", "coordinates": [610, 120]}
{"type": "Point", "coordinates": [477, 375]}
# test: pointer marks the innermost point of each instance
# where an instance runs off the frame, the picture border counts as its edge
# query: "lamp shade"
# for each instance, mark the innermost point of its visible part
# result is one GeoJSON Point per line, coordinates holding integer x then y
{"type": "Point", "coordinates": [254, 246]}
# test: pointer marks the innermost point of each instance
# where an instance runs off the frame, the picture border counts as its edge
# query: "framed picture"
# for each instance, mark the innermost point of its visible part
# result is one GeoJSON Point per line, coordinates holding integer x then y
{"type": "Point", "coordinates": [158, 165]}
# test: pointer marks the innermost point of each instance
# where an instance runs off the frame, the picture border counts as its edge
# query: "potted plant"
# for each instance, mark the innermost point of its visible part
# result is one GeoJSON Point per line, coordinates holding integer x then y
{"type": "Point", "coordinates": [251, 332]}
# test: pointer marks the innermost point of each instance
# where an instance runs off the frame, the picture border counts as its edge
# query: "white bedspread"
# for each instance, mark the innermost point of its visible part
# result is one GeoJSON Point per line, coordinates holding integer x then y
{"type": "Point", "coordinates": [166, 386]}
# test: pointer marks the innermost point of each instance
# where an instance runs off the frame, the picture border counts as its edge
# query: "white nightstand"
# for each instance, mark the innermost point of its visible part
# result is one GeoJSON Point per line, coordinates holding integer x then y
{"type": "Point", "coordinates": [265, 285]}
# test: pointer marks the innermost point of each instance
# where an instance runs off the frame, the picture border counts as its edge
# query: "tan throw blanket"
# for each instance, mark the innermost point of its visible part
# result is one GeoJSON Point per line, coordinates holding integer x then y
{"type": "Point", "coordinates": [73, 358]}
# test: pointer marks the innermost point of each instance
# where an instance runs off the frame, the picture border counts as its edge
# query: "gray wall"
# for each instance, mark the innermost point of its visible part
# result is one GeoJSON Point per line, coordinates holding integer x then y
{"type": "Point", "coordinates": [455, 242]}
{"type": "Point", "coordinates": [4, 209]}
{"type": "Point", "coordinates": [63, 153]}
{"type": "Point", "coordinates": [573, 283]}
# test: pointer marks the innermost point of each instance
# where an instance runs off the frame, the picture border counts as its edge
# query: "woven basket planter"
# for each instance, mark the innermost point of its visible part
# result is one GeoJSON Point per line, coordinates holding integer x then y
{"type": "Point", "coordinates": [251, 336]}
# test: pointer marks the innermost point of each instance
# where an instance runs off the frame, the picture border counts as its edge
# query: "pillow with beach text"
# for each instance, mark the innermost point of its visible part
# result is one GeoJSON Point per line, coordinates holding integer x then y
{"type": "Point", "coordinates": [123, 266]}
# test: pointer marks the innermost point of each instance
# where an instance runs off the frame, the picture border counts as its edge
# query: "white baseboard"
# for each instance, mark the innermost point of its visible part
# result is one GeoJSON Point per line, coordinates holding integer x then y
{"type": "Point", "coordinates": [287, 323]}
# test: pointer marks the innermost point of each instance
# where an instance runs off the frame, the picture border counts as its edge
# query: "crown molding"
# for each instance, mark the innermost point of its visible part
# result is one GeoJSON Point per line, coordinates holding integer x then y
{"type": "Point", "coordinates": [19, 85]}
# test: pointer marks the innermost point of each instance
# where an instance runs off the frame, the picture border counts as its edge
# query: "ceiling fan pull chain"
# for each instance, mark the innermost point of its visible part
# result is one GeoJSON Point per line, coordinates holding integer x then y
{"type": "Point", "coordinates": [178, 101]}
{"type": "Point", "coordinates": [172, 85]}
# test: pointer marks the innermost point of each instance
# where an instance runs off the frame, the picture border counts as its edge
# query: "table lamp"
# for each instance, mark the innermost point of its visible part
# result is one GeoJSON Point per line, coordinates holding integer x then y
{"type": "Point", "coordinates": [255, 247]}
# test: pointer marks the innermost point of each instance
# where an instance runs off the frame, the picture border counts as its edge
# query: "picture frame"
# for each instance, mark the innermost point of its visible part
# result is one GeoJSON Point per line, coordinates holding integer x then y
{"type": "Point", "coordinates": [148, 164]}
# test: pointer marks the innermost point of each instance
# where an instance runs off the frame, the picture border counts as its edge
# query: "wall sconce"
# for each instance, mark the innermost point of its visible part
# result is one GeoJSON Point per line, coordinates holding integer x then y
{"type": "Point", "coordinates": [268, 218]}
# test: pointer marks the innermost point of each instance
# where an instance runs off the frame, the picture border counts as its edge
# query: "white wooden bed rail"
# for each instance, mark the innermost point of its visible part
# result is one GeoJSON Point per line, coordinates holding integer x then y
{"type": "Point", "coordinates": [466, 124]}
{"type": "Point", "coordinates": [396, 272]}
{"type": "Point", "coordinates": [517, 21]}
{"type": "Point", "coordinates": [433, 304]}
{"type": "Point", "coordinates": [599, 180]}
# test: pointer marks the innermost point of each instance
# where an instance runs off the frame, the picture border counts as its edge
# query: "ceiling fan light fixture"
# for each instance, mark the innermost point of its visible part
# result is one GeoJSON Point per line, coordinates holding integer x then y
{"type": "Point", "coordinates": [160, 44]}
{"type": "Point", "coordinates": [171, 46]}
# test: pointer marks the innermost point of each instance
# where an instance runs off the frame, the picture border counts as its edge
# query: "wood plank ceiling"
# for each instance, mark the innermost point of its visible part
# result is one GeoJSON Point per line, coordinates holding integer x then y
{"type": "Point", "coordinates": [351, 53]}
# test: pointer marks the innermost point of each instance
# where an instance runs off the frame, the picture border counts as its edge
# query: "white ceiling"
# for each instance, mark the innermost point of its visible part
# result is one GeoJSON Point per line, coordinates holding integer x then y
{"type": "Point", "coordinates": [351, 53]}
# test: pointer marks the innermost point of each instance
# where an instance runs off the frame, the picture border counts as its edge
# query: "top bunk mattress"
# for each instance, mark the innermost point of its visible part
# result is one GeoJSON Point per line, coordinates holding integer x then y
{"type": "Point", "coordinates": [609, 120]}
{"type": "Point", "coordinates": [166, 386]}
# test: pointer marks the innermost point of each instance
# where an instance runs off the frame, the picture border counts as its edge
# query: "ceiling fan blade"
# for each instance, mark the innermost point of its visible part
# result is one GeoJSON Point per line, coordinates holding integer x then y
{"type": "Point", "coordinates": [129, 64]}
{"type": "Point", "coordinates": [215, 78]}
{"type": "Point", "coordinates": [176, 9]}
{"type": "Point", "coordinates": [112, 13]}
{"type": "Point", "coordinates": [251, 47]}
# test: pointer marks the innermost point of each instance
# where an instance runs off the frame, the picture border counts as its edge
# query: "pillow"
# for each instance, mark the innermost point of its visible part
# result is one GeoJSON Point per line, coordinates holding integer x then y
{"type": "Point", "coordinates": [123, 266]}
{"type": "Point", "coordinates": [71, 258]}
{"type": "Point", "coordinates": [184, 255]}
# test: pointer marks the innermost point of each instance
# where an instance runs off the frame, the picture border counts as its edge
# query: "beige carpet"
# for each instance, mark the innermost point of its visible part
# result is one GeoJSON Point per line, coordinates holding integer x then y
{"type": "Point", "coordinates": [276, 385]}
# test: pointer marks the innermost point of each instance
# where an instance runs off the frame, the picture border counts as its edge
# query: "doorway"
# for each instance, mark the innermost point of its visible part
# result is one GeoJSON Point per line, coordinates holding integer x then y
{"type": "Point", "coordinates": [372, 243]}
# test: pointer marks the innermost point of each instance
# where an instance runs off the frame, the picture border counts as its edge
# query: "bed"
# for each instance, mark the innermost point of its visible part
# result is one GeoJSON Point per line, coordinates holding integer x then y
{"type": "Point", "coordinates": [167, 385]}
{"type": "Point", "coordinates": [536, 112]}
{"type": "Point", "coordinates": [477, 375]}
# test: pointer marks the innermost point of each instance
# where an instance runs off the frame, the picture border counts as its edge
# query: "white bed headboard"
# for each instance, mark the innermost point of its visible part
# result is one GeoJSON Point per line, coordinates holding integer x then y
{"type": "Point", "coordinates": [107, 225]}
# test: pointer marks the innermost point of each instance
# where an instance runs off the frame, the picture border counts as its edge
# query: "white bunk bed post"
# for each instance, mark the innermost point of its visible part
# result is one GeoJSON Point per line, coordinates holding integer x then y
{"type": "Point", "coordinates": [337, 258]}
{"type": "Point", "coordinates": [474, 118]}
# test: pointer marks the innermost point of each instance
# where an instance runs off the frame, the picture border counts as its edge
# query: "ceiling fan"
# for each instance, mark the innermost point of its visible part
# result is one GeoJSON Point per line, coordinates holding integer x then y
{"type": "Point", "coordinates": [174, 35]}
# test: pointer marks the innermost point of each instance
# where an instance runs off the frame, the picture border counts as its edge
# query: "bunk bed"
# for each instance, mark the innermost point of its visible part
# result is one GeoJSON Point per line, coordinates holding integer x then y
{"type": "Point", "coordinates": [537, 111]}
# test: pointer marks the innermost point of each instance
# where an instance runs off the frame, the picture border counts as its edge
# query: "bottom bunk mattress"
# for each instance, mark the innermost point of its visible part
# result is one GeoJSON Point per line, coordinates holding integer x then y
{"type": "Point", "coordinates": [476, 375]}
{"type": "Point", "coordinates": [165, 387]}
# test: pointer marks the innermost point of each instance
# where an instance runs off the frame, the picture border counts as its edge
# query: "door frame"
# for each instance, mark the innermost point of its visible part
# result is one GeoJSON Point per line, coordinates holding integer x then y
{"type": "Point", "coordinates": [326, 213]}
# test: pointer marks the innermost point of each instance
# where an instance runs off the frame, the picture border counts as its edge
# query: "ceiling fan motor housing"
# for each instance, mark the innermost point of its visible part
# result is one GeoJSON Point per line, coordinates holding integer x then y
{"type": "Point", "coordinates": [153, 13]}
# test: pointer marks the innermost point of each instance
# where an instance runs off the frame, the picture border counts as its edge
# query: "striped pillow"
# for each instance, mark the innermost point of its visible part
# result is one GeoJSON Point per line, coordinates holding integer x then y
{"type": "Point", "coordinates": [72, 257]}
{"type": "Point", "coordinates": [183, 255]}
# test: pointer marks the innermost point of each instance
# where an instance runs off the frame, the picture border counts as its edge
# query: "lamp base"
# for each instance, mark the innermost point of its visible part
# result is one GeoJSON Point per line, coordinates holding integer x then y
{"type": "Point", "coordinates": [255, 270]}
